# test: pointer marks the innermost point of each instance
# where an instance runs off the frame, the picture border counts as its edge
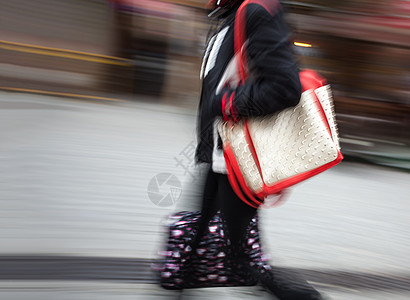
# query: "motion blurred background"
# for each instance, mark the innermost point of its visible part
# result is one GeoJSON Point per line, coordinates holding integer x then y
{"type": "Point", "coordinates": [97, 97]}
{"type": "Point", "coordinates": [129, 48]}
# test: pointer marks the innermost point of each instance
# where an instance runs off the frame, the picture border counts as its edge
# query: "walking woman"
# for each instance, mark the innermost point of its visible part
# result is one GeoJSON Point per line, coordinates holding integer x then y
{"type": "Point", "coordinates": [273, 85]}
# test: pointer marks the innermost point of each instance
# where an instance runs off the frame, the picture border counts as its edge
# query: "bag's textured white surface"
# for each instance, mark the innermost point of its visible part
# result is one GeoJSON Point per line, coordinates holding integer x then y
{"type": "Point", "coordinates": [291, 142]}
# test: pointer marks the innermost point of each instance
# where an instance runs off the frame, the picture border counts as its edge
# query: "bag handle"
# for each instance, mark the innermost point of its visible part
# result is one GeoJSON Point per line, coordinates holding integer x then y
{"type": "Point", "coordinates": [240, 33]}
{"type": "Point", "coordinates": [239, 40]}
{"type": "Point", "coordinates": [240, 52]}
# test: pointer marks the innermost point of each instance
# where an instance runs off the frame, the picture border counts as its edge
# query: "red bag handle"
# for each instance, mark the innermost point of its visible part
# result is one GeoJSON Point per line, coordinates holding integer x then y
{"type": "Point", "coordinates": [239, 46]}
{"type": "Point", "coordinates": [240, 32]}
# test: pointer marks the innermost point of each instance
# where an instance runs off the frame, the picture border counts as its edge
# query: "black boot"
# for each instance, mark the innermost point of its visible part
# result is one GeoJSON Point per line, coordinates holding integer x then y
{"type": "Point", "coordinates": [284, 284]}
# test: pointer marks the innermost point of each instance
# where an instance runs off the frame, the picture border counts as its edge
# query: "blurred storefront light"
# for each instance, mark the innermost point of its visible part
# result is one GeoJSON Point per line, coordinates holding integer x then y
{"type": "Point", "coordinates": [300, 44]}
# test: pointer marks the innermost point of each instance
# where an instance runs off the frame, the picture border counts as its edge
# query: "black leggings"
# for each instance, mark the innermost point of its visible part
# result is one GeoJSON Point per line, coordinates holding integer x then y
{"type": "Point", "coordinates": [218, 195]}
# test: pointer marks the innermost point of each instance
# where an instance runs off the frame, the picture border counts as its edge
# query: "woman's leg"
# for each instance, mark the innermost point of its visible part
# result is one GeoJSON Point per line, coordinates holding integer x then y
{"type": "Point", "coordinates": [209, 206]}
{"type": "Point", "coordinates": [238, 216]}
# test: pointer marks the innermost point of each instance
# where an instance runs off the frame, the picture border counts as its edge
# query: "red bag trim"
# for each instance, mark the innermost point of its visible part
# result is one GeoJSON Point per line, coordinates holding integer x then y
{"type": "Point", "coordinates": [235, 175]}
{"type": "Point", "coordinates": [224, 106]}
{"type": "Point", "coordinates": [235, 186]}
{"type": "Point", "coordinates": [233, 114]}
{"type": "Point", "coordinates": [252, 149]}
{"type": "Point", "coordinates": [269, 190]}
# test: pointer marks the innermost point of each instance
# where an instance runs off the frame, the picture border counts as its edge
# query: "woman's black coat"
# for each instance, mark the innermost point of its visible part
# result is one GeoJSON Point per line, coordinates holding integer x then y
{"type": "Point", "coordinates": [274, 84]}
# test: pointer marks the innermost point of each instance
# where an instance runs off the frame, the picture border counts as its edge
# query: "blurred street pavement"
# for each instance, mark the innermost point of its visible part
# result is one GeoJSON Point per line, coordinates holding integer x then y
{"type": "Point", "coordinates": [74, 179]}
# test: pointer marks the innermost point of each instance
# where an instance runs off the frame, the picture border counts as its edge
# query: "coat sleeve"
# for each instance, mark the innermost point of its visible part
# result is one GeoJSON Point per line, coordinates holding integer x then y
{"type": "Point", "coordinates": [274, 82]}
